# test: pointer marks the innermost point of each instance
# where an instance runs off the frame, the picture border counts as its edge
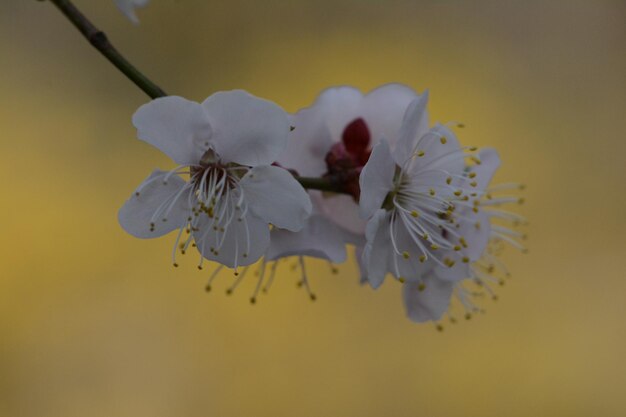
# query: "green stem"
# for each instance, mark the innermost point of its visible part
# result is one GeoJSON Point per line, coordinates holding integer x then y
{"type": "Point", "coordinates": [321, 184]}
{"type": "Point", "coordinates": [99, 40]}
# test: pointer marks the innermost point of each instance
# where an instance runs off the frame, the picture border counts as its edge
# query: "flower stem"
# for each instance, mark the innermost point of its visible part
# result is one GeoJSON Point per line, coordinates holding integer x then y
{"type": "Point", "coordinates": [322, 184]}
{"type": "Point", "coordinates": [99, 40]}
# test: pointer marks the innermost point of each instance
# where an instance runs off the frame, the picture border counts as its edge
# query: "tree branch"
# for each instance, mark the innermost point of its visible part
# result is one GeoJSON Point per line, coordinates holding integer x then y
{"type": "Point", "coordinates": [99, 40]}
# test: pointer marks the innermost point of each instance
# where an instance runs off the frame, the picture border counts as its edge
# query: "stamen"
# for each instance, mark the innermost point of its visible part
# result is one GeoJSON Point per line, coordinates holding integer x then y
{"type": "Point", "coordinates": [213, 276]}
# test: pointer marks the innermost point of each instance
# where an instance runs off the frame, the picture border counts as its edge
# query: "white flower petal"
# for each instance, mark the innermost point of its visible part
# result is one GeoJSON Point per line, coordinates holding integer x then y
{"type": "Point", "coordinates": [343, 211]}
{"type": "Point", "coordinates": [176, 126]}
{"type": "Point", "coordinates": [307, 145]}
{"type": "Point", "coordinates": [428, 304]}
{"type": "Point", "coordinates": [383, 110]}
{"type": "Point", "coordinates": [155, 201]}
{"type": "Point", "coordinates": [377, 251]}
{"type": "Point", "coordinates": [458, 272]}
{"type": "Point", "coordinates": [243, 243]}
{"type": "Point", "coordinates": [319, 239]}
{"type": "Point", "coordinates": [276, 197]}
{"type": "Point", "coordinates": [489, 163]}
{"type": "Point", "coordinates": [439, 149]}
{"type": "Point", "coordinates": [337, 107]}
{"type": "Point", "coordinates": [246, 129]}
{"type": "Point", "coordinates": [358, 253]}
{"type": "Point", "coordinates": [376, 179]}
{"type": "Point", "coordinates": [414, 125]}
{"type": "Point", "coordinates": [476, 232]}
{"type": "Point", "coordinates": [128, 8]}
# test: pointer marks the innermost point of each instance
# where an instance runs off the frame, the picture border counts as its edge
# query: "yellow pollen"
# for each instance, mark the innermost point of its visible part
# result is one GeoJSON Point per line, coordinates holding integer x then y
{"type": "Point", "coordinates": [477, 225]}
{"type": "Point", "coordinates": [443, 140]}
{"type": "Point", "coordinates": [465, 259]}
{"type": "Point", "coordinates": [457, 248]}
{"type": "Point", "coordinates": [421, 287]}
{"type": "Point", "coordinates": [423, 258]}
{"type": "Point", "coordinates": [468, 316]}
{"type": "Point", "coordinates": [458, 193]}
{"type": "Point", "coordinates": [473, 183]}
{"type": "Point", "coordinates": [434, 247]}
{"type": "Point", "coordinates": [460, 125]}
{"type": "Point", "coordinates": [476, 160]}
{"type": "Point", "coordinates": [414, 213]}
{"type": "Point", "coordinates": [463, 242]}
{"type": "Point", "coordinates": [472, 175]}
{"type": "Point", "coordinates": [432, 191]}
{"type": "Point", "coordinates": [420, 153]}
{"type": "Point", "coordinates": [448, 180]}
{"type": "Point", "coordinates": [402, 280]}
{"type": "Point", "coordinates": [405, 255]}
{"type": "Point", "coordinates": [473, 149]}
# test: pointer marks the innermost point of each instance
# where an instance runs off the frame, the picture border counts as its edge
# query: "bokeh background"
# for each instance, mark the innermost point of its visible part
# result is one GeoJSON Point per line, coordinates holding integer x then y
{"type": "Point", "coordinates": [96, 323]}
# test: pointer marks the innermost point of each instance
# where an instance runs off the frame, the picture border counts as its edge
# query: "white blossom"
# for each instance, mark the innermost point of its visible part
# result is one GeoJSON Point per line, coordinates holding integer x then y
{"type": "Point", "coordinates": [226, 146]}
{"type": "Point", "coordinates": [422, 202]}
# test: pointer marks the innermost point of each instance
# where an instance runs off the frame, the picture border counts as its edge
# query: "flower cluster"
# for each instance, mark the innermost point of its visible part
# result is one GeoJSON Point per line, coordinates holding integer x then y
{"type": "Point", "coordinates": [415, 204]}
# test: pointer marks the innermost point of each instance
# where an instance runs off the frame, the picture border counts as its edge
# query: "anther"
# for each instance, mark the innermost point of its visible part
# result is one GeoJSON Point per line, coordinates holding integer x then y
{"type": "Point", "coordinates": [414, 213]}
{"type": "Point", "coordinates": [402, 280]}
{"type": "Point", "coordinates": [472, 175]}
{"type": "Point", "coordinates": [405, 255]}
{"type": "Point", "coordinates": [431, 191]}
{"type": "Point", "coordinates": [449, 180]}
{"type": "Point", "coordinates": [423, 258]}
{"type": "Point", "coordinates": [443, 140]}
{"type": "Point", "coordinates": [468, 316]}
{"type": "Point", "coordinates": [420, 153]}
{"type": "Point", "coordinates": [421, 287]}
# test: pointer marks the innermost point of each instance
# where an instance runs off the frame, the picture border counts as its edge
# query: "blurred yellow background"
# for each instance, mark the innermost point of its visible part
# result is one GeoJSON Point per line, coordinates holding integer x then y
{"type": "Point", "coordinates": [94, 322]}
